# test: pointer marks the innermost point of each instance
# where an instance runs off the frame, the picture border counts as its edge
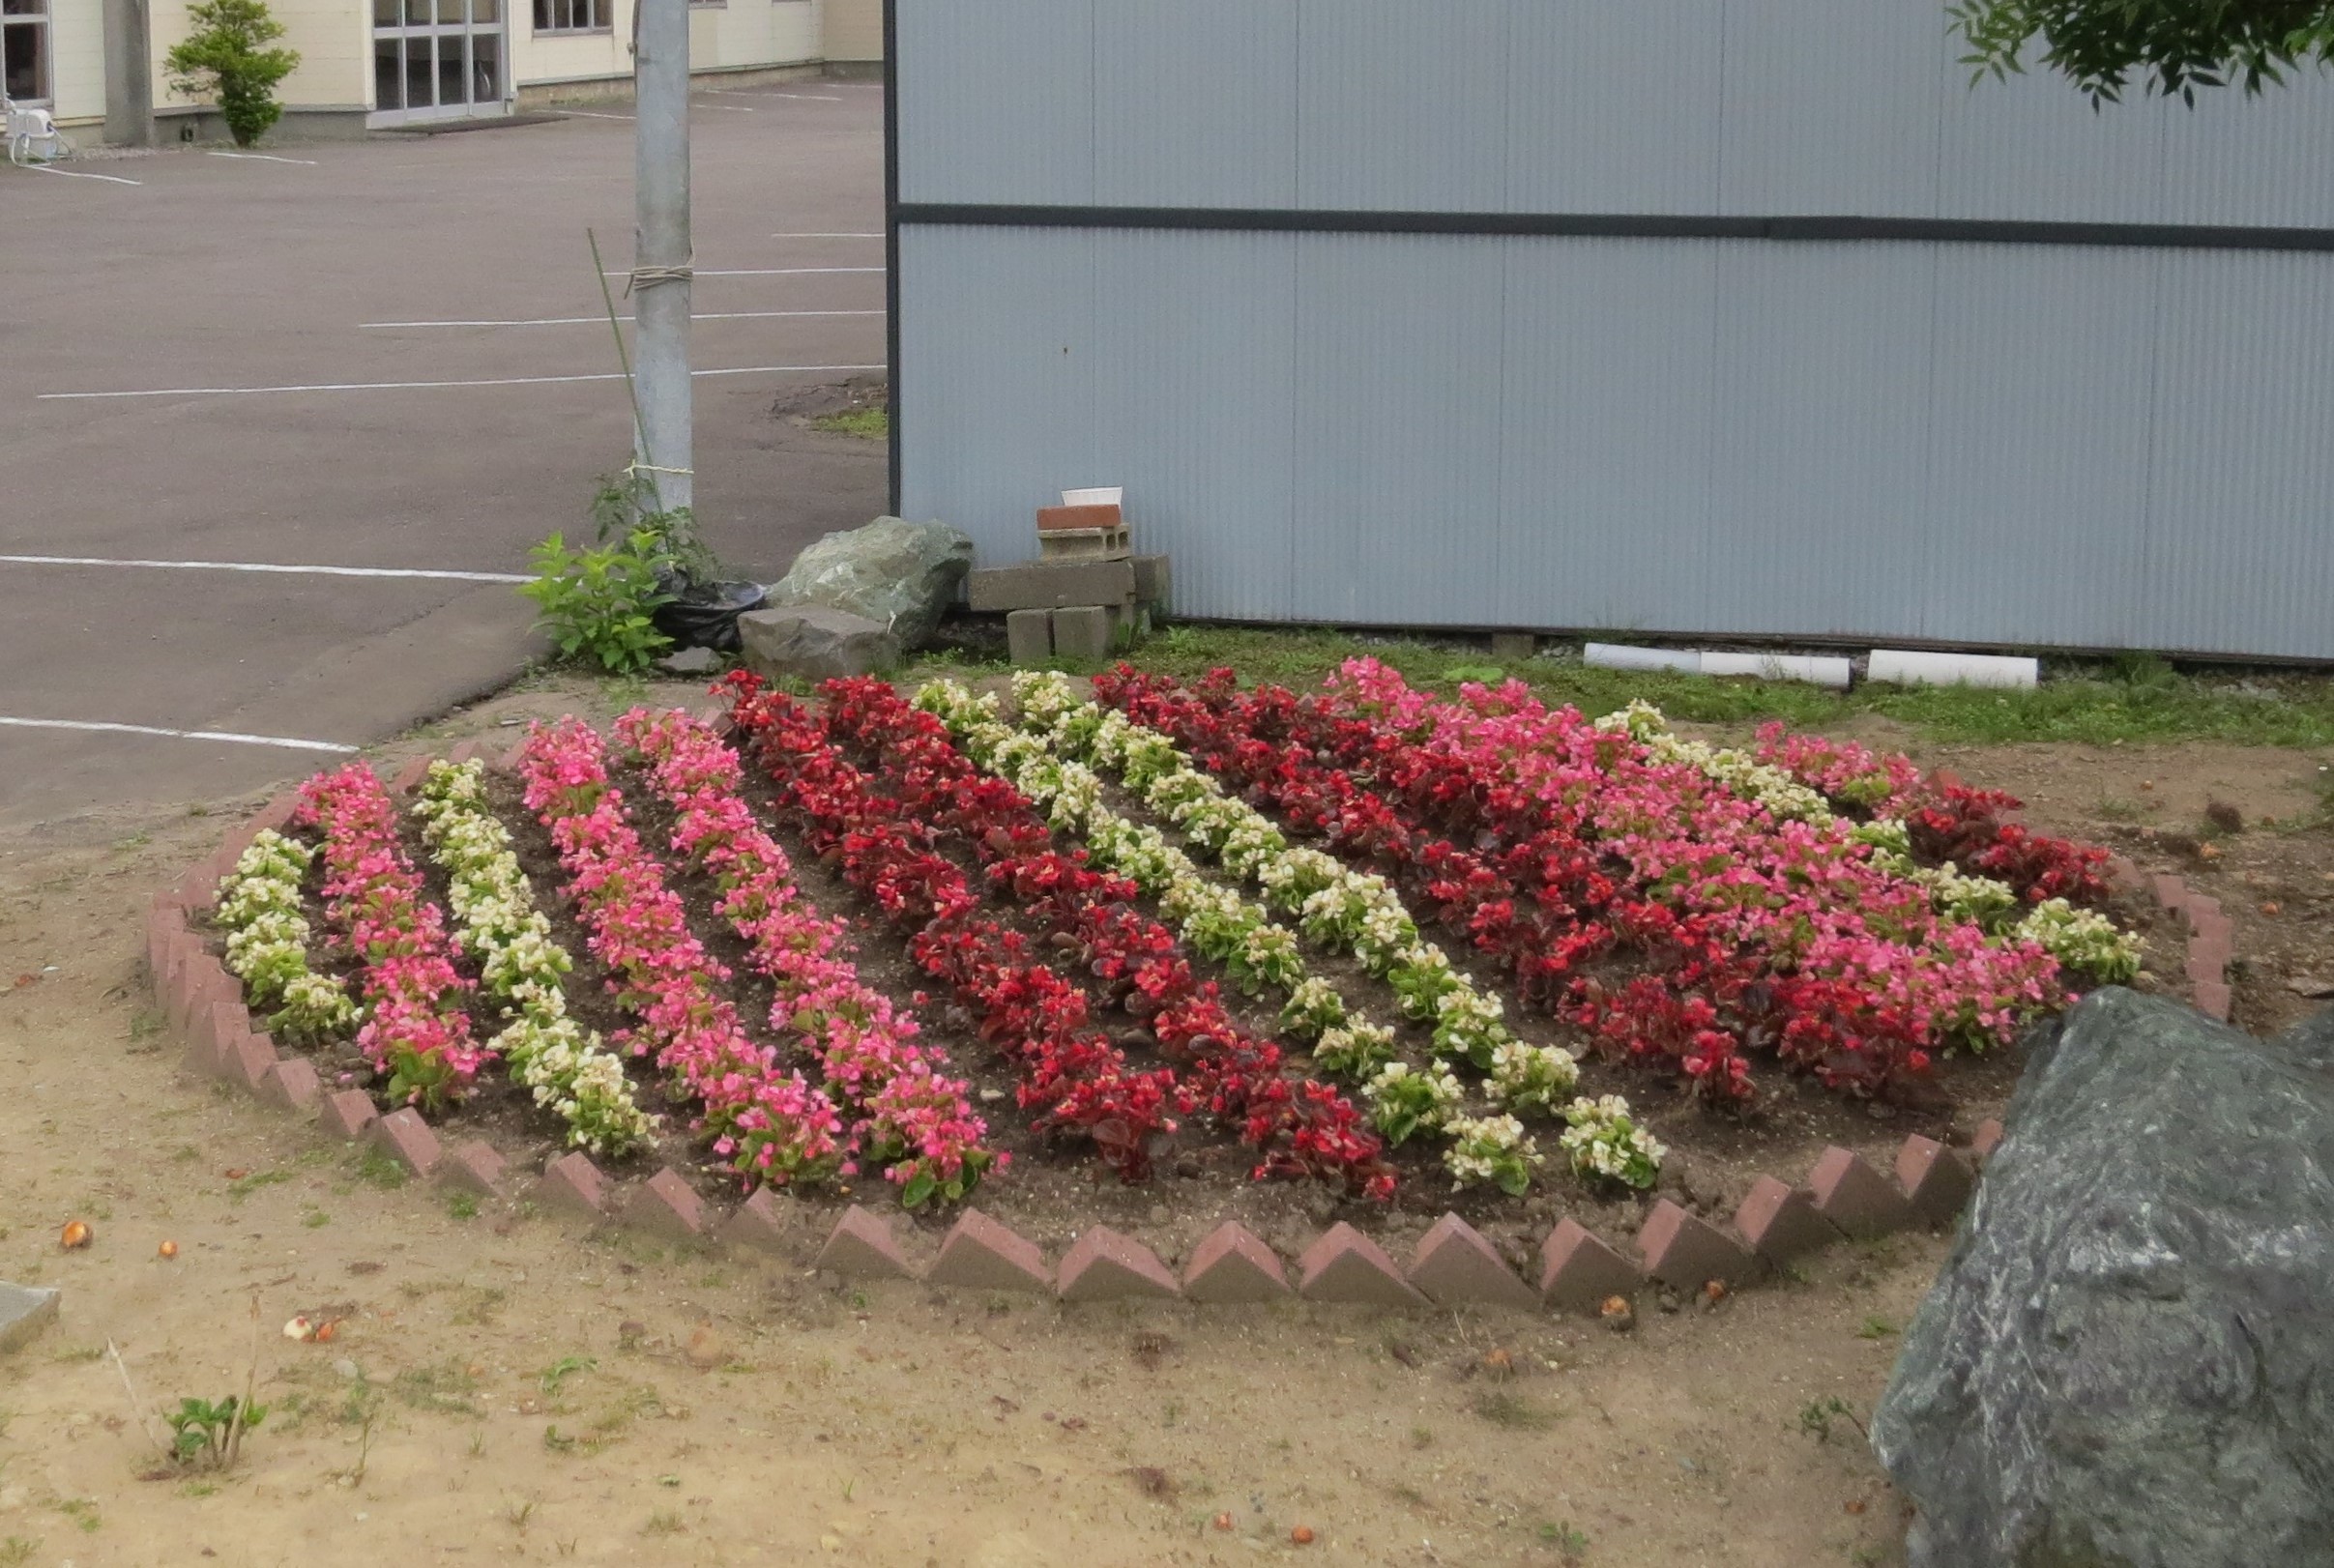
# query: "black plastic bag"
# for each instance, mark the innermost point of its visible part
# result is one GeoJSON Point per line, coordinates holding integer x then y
{"type": "Point", "coordinates": [705, 615]}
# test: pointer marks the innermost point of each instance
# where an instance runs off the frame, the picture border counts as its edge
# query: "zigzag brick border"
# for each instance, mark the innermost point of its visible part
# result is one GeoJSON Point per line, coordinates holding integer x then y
{"type": "Point", "coordinates": [1452, 1265]}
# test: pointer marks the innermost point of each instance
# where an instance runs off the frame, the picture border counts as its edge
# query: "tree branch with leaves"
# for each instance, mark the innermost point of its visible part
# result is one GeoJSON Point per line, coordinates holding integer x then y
{"type": "Point", "coordinates": [227, 58]}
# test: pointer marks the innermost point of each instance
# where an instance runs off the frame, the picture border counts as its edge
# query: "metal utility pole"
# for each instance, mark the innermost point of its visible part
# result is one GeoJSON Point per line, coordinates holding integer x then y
{"type": "Point", "coordinates": [664, 452]}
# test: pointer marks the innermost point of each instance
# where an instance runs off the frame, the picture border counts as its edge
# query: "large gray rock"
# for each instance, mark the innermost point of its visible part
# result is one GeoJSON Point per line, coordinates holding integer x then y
{"type": "Point", "coordinates": [24, 1311]}
{"type": "Point", "coordinates": [2128, 1361]}
{"type": "Point", "coordinates": [815, 642]}
{"type": "Point", "coordinates": [898, 574]}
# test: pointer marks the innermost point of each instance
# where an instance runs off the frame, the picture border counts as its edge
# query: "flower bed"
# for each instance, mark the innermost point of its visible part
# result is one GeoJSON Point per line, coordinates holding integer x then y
{"type": "Point", "coordinates": [259, 909]}
{"type": "Point", "coordinates": [763, 1120]}
{"type": "Point", "coordinates": [1678, 907]}
{"type": "Point", "coordinates": [1301, 1126]}
{"type": "Point", "coordinates": [417, 1026]}
{"type": "Point", "coordinates": [912, 1122]}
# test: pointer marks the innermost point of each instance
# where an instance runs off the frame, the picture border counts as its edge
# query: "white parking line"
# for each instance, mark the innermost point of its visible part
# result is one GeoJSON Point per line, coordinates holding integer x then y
{"type": "Point", "coordinates": [761, 271]}
{"type": "Point", "coordinates": [601, 321]}
{"type": "Point", "coordinates": [268, 158]}
{"type": "Point", "coordinates": [734, 108]}
{"type": "Point", "coordinates": [240, 739]}
{"type": "Point", "coordinates": [586, 114]}
{"type": "Point", "coordinates": [76, 174]}
{"type": "Point", "coordinates": [811, 97]}
{"type": "Point", "coordinates": [259, 565]}
{"type": "Point", "coordinates": [439, 386]}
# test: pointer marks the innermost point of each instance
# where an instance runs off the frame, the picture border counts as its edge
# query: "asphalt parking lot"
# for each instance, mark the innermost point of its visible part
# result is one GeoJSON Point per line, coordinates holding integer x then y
{"type": "Point", "coordinates": [387, 355]}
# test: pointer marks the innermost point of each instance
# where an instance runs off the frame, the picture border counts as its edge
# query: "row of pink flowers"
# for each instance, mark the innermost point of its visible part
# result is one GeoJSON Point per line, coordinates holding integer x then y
{"type": "Point", "coordinates": [417, 1026]}
{"type": "Point", "coordinates": [914, 1123]}
{"type": "Point", "coordinates": [763, 1118]}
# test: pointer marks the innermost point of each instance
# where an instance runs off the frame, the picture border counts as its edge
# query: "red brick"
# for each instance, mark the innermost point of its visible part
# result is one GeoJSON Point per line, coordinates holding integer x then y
{"type": "Point", "coordinates": [1050, 518]}
{"type": "Point", "coordinates": [165, 921]}
{"type": "Point", "coordinates": [291, 1082]}
{"type": "Point", "coordinates": [347, 1113]}
{"type": "Point", "coordinates": [247, 1061]}
{"type": "Point", "coordinates": [2205, 921]}
{"type": "Point", "coordinates": [1104, 1266]}
{"type": "Point", "coordinates": [473, 1165]}
{"type": "Point", "coordinates": [2124, 876]}
{"type": "Point", "coordinates": [508, 762]}
{"type": "Point", "coordinates": [981, 1254]}
{"type": "Point", "coordinates": [1346, 1266]}
{"type": "Point", "coordinates": [409, 775]}
{"type": "Point", "coordinates": [667, 1206]}
{"type": "Point", "coordinates": [1453, 1265]}
{"type": "Point", "coordinates": [761, 1222]}
{"type": "Point", "coordinates": [2212, 999]}
{"type": "Point", "coordinates": [1579, 1271]}
{"type": "Point", "coordinates": [861, 1247]}
{"type": "Point", "coordinates": [1937, 1179]}
{"type": "Point", "coordinates": [2171, 892]}
{"type": "Point", "coordinates": [464, 751]}
{"type": "Point", "coordinates": [1986, 1139]}
{"type": "Point", "coordinates": [1854, 1197]}
{"type": "Point", "coordinates": [1780, 1222]}
{"type": "Point", "coordinates": [408, 1139]}
{"type": "Point", "coordinates": [2206, 966]}
{"type": "Point", "coordinates": [572, 1186]}
{"type": "Point", "coordinates": [219, 1032]}
{"type": "Point", "coordinates": [1687, 1251]}
{"type": "Point", "coordinates": [1231, 1265]}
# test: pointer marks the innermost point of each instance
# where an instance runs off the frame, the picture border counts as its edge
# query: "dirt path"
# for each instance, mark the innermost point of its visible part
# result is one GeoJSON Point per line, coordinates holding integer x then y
{"type": "Point", "coordinates": [504, 1387]}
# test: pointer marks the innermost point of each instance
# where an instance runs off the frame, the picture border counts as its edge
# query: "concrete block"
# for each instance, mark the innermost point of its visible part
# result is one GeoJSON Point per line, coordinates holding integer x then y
{"type": "Point", "coordinates": [1232, 1266]}
{"type": "Point", "coordinates": [292, 1084]}
{"type": "Point", "coordinates": [408, 1140]}
{"type": "Point", "coordinates": [572, 1184]}
{"type": "Point", "coordinates": [1028, 637]}
{"type": "Point", "coordinates": [1346, 1266]}
{"type": "Point", "coordinates": [1061, 544]}
{"type": "Point", "coordinates": [1684, 1251]}
{"type": "Point", "coordinates": [760, 1223]}
{"type": "Point", "coordinates": [1937, 1179]}
{"type": "Point", "coordinates": [1153, 580]}
{"type": "Point", "coordinates": [666, 1205]}
{"type": "Point", "coordinates": [1512, 647]}
{"type": "Point", "coordinates": [1780, 1222]}
{"type": "Point", "coordinates": [1040, 584]}
{"type": "Point", "coordinates": [815, 642]}
{"type": "Point", "coordinates": [1453, 1265]}
{"type": "Point", "coordinates": [24, 1311]}
{"type": "Point", "coordinates": [1104, 1266]}
{"type": "Point", "coordinates": [861, 1247]}
{"type": "Point", "coordinates": [347, 1113]}
{"type": "Point", "coordinates": [473, 1165]}
{"type": "Point", "coordinates": [1854, 1197]}
{"type": "Point", "coordinates": [1083, 632]}
{"type": "Point", "coordinates": [1579, 1271]}
{"type": "Point", "coordinates": [982, 1255]}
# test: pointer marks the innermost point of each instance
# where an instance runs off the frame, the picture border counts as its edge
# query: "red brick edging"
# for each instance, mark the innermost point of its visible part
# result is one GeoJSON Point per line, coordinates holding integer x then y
{"type": "Point", "coordinates": [1451, 1265]}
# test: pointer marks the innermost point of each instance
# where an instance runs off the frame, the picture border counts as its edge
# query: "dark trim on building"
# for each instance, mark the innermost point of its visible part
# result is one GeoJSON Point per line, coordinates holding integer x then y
{"type": "Point", "coordinates": [891, 222]}
{"type": "Point", "coordinates": [1594, 225]}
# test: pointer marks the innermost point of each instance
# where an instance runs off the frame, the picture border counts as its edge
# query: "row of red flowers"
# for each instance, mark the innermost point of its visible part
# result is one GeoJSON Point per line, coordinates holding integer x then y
{"type": "Point", "coordinates": [1075, 1081]}
{"type": "Point", "coordinates": [1301, 1126]}
{"type": "Point", "coordinates": [417, 1026]}
{"type": "Point", "coordinates": [763, 1118]}
{"type": "Point", "coordinates": [1587, 859]}
{"type": "Point", "coordinates": [913, 1122]}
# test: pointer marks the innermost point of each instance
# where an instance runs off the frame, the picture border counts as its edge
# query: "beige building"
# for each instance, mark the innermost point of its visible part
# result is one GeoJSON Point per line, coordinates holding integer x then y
{"type": "Point", "coordinates": [375, 64]}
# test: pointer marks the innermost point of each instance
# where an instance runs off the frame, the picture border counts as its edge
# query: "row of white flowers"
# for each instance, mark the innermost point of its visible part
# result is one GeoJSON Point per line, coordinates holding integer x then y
{"type": "Point", "coordinates": [268, 941]}
{"type": "Point", "coordinates": [1337, 907]}
{"type": "Point", "coordinates": [521, 965]}
{"type": "Point", "coordinates": [2081, 940]}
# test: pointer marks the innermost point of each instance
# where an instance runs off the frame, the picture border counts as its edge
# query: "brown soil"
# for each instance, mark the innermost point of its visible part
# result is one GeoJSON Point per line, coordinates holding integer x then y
{"type": "Point", "coordinates": [803, 405]}
{"type": "Point", "coordinates": [896, 1426]}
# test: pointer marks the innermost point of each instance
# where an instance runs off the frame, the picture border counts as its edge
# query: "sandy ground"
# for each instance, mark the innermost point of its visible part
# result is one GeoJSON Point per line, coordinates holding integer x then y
{"type": "Point", "coordinates": [504, 1387]}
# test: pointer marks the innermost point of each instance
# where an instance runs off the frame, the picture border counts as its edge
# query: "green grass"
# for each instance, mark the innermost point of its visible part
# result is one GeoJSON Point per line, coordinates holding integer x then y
{"type": "Point", "coordinates": [874, 424]}
{"type": "Point", "coordinates": [2135, 698]}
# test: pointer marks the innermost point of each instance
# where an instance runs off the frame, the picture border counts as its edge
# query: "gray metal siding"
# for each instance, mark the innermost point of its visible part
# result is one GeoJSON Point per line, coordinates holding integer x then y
{"type": "Point", "coordinates": [2025, 445]}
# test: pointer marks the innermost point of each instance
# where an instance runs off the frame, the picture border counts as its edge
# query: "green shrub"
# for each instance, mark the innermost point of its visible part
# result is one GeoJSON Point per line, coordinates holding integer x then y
{"type": "Point", "coordinates": [225, 58]}
{"type": "Point", "coordinates": [596, 604]}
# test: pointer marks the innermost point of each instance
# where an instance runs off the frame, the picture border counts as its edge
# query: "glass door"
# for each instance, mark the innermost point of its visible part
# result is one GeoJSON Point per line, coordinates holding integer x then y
{"type": "Point", "coordinates": [437, 60]}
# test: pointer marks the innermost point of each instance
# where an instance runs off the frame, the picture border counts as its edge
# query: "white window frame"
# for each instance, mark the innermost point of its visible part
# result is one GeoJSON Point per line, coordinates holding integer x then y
{"type": "Point", "coordinates": [539, 9]}
{"type": "Point", "coordinates": [44, 66]}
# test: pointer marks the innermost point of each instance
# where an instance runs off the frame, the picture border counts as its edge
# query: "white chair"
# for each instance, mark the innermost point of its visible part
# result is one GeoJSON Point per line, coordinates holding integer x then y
{"type": "Point", "coordinates": [32, 134]}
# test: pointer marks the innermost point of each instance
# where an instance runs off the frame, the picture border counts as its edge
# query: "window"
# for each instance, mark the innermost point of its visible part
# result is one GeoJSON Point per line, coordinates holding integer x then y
{"type": "Point", "coordinates": [572, 16]}
{"type": "Point", "coordinates": [24, 49]}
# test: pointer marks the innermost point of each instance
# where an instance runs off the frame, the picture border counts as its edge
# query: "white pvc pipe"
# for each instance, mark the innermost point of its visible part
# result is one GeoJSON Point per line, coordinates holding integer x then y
{"type": "Point", "coordinates": [1619, 656]}
{"type": "Point", "coordinates": [1815, 669]}
{"type": "Point", "coordinates": [1906, 668]}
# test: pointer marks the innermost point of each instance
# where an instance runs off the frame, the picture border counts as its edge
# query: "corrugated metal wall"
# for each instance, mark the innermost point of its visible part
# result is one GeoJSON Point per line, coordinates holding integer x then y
{"type": "Point", "coordinates": [1986, 443]}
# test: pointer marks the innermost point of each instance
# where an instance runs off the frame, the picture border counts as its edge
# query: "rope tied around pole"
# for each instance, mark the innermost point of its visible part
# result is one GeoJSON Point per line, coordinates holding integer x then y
{"type": "Point", "coordinates": [646, 278]}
